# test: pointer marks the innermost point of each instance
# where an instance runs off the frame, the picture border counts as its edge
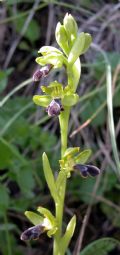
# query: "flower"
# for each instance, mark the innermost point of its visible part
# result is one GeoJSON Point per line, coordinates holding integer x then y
{"type": "Point", "coordinates": [86, 170]}
{"type": "Point", "coordinates": [46, 223]}
{"type": "Point", "coordinates": [55, 107]}
{"type": "Point", "coordinates": [40, 73]}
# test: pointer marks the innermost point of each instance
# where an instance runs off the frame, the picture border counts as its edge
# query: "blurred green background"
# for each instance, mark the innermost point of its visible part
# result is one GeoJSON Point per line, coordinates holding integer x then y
{"type": "Point", "coordinates": [26, 131]}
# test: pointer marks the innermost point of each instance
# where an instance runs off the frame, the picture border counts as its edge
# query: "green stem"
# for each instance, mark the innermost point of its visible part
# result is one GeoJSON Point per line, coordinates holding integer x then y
{"type": "Point", "coordinates": [73, 79]}
{"type": "Point", "coordinates": [7, 235]}
{"type": "Point", "coordinates": [64, 119]}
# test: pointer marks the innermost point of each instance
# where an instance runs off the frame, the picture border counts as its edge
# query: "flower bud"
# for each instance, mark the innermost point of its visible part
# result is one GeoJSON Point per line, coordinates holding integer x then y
{"type": "Point", "coordinates": [61, 38]}
{"type": "Point", "coordinates": [86, 170]}
{"type": "Point", "coordinates": [54, 108]}
{"type": "Point", "coordinates": [32, 233]}
{"type": "Point", "coordinates": [44, 71]}
{"type": "Point", "coordinates": [70, 26]}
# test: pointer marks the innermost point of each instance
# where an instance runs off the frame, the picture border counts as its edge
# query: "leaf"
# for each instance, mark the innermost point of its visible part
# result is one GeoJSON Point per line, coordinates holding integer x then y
{"type": "Point", "coordinates": [68, 234]}
{"type": "Point", "coordinates": [4, 198]}
{"type": "Point", "coordinates": [100, 247]}
{"type": "Point", "coordinates": [49, 176]}
{"type": "Point", "coordinates": [83, 188]}
{"type": "Point", "coordinates": [11, 2]}
{"type": "Point", "coordinates": [92, 106]}
{"type": "Point", "coordinates": [8, 226]}
{"type": "Point", "coordinates": [83, 156]}
{"type": "Point", "coordinates": [33, 30]}
{"type": "Point", "coordinates": [35, 218]}
{"type": "Point", "coordinates": [5, 154]}
{"type": "Point", "coordinates": [4, 78]}
{"type": "Point", "coordinates": [26, 181]}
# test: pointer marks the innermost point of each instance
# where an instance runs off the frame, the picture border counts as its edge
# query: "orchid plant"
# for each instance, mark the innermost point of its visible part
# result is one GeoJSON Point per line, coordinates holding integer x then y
{"type": "Point", "coordinates": [58, 99]}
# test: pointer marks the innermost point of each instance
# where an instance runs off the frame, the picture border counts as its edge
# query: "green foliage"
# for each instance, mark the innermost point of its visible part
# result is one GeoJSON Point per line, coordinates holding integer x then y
{"type": "Point", "coordinates": [100, 247]}
{"type": "Point", "coordinates": [4, 199]}
{"type": "Point", "coordinates": [83, 188]}
{"type": "Point", "coordinates": [4, 78]}
{"type": "Point", "coordinates": [33, 27]}
{"type": "Point", "coordinates": [68, 234]}
{"type": "Point", "coordinates": [92, 105]}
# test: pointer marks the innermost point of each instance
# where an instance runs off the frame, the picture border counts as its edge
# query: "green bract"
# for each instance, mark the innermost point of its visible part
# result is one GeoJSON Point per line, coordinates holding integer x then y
{"type": "Point", "coordinates": [83, 157]}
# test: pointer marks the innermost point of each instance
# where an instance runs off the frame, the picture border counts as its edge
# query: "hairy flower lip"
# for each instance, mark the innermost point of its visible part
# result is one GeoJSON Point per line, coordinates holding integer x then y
{"type": "Point", "coordinates": [86, 170]}
{"type": "Point", "coordinates": [54, 108]}
{"type": "Point", "coordinates": [43, 72]}
{"type": "Point", "coordinates": [32, 233]}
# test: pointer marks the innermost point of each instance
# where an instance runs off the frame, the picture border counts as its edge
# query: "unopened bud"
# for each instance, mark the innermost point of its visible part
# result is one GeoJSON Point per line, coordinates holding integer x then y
{"type": "Point", "coordinates": [44, 71]}
{"type": "Point", "coordinates": [54, 108]}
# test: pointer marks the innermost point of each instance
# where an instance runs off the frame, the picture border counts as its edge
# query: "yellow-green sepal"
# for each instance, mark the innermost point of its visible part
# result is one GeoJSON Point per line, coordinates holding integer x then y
{"type": "Point", "coordinates": [70, 100]}
{"type": "Point", "coordinates": [47, 214]}
{"type": "Point", "coordinates": [83, 157]}
{"type": "Point", "coordinates": [35, 218]}
{"type": "Point", "coordinates": [54, 59]}
{"type": "Point", "coordinates": [49, 50]}
{"type": "Point", "coordinates": [70, 152]}
{"type": "Point", "coordinates": [42, 100]}
{"type": "Point", "coordinates": [50, 222]}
